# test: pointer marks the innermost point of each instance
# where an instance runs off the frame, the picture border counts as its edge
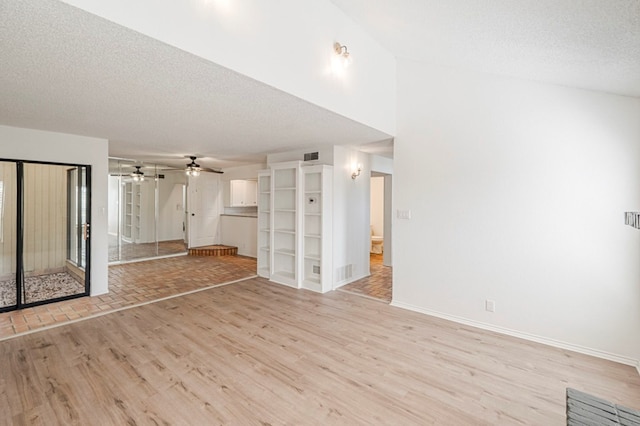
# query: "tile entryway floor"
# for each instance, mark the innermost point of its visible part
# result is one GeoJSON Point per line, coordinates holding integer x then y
{"type": "Point", "coordinates": [133, 284]}
{"type": "Point", "coordinates": [378, 285]}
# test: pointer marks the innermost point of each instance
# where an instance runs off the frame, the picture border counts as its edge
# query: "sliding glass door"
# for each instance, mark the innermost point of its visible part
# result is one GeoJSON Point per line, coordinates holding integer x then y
{"type": "Point", "coordinates": [46, 216]}
{"type": "Point", "coordinates": [8, 226]}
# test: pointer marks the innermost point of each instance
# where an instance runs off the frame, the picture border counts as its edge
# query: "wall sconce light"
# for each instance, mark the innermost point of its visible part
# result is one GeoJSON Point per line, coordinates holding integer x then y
{"type": "Point", "coordinates": [356, 172]}
{"type": "Point", "coordinates": [193, 169]}
{"type": "Point", "coordinates": [342, 54]}
{"type": "Point", "coordinates": [137, 175]}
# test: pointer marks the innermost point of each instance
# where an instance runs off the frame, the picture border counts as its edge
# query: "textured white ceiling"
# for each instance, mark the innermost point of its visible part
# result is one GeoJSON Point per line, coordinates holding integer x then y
{"type": "Point", "coordinates": [593, 44]}
{"type": "Point", "coordinates": [65, 70]}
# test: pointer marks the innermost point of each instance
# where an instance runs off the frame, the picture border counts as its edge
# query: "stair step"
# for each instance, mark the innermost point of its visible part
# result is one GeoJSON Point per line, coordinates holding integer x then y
{"type": "Point", "coordinates": [214, 250]}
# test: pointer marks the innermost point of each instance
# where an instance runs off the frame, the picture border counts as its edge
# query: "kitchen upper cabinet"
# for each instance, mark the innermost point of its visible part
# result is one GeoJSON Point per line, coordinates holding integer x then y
{"type": "Point", "coordinates": [243, 193]}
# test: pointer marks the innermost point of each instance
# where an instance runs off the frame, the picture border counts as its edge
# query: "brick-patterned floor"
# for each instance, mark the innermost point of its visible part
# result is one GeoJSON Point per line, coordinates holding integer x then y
{"type": "Point", "coordinates": [133, 284]}
{"type": "Point", "coordinates": [378, 285]}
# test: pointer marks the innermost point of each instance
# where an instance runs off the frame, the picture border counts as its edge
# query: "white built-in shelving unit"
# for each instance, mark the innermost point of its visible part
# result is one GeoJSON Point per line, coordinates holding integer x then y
{"type": "Point", "coordinates": [285, 218]}
{"type": "Point", "coordinates": [294, 225]}
{"type": "Point", "coordinates": [127, 206]}
{"type": "Point", "coordinates": [264, 223]}
{"type": "Point", "coordinates": [316, 265]}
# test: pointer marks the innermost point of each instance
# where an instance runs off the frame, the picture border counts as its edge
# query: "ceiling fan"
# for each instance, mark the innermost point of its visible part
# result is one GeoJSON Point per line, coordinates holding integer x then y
{"type": "Point", "coordinates": [194, 169]}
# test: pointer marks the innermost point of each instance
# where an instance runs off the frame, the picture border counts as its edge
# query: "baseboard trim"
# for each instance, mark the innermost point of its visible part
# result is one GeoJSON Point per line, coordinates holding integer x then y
{"type": "Point", "coordinates": [526, 336]}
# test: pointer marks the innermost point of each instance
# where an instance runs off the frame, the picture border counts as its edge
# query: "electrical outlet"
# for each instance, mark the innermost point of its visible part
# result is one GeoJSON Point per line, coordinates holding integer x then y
{"type": "Point", "coordinates": [490, 305]}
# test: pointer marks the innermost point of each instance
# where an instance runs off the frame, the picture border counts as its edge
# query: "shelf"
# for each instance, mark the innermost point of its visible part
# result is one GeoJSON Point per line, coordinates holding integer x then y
{"type": "Point", "coordinates": [313, 214]}
{"type": "Point", "coordinates": [284, 210]}
{"type": "Point", "coordinates": [286, 252]}
{"type": "Point", "coordinates": [313, 192]}
{"type": "Point", "coordinates": [312, 235]}
{"type": "Point", "coordinates": [285, 231]}
{"type": "Point", "coordinates": [283, 274]}
{"type": "Point", "coordinates": [312, 257]}
{"type": "Point", "coordinates": [285, 188]}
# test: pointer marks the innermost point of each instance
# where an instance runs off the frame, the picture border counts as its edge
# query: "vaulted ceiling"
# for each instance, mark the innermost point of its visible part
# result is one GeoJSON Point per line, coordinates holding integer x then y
{"type": "Point", "coordinates": [592, 44]}
{"type": "Point", "coordinates": [62, 69]}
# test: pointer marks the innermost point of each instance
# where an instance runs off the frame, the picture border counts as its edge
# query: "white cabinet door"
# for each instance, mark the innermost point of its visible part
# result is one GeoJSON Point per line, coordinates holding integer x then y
{"type": "Point", "coordinates": [243, 193]}
{"type": "Point", "coordinates": [237, 194]}
{"type": "Point", "coordinates": [251, 193]}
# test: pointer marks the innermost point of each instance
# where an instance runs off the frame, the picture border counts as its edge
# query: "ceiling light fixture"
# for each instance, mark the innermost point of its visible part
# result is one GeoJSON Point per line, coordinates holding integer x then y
{"type": "Point", "coordinates": [137, 175]}
{"type": "Point", "coordinates": [342, 53]}
{"type": "Point", "coordinates": [193, 169]}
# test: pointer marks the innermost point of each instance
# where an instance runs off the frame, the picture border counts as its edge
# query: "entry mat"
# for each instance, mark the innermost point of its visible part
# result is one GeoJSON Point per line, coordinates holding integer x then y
{"type": "Point", "coordinates": [587, 410]}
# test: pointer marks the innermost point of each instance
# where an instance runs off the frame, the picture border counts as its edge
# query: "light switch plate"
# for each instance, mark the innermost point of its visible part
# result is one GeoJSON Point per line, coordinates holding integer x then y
{"type": "Point", "coordinates": [404, 214]}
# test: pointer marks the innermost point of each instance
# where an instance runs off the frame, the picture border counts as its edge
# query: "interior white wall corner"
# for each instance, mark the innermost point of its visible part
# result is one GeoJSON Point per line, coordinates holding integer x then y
{"type": "Point", "coordinates": [387, 259]}
{"type": "Point", "coordinates": [518, 196]}
{"type": "Point", "coordinates": [351, 213]}
{"type": "Point", "coordinates": [35, 145]}
{"type": "Point", "coordinates": [286, 44]}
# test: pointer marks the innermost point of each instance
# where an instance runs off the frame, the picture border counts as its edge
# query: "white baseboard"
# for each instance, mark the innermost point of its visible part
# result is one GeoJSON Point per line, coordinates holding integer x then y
{"type": "Point", "coordinates": [526, 336]}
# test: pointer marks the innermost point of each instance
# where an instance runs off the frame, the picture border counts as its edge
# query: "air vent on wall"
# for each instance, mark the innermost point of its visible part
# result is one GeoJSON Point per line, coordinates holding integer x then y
{"type": "Point", "coordinates": [310, 156]}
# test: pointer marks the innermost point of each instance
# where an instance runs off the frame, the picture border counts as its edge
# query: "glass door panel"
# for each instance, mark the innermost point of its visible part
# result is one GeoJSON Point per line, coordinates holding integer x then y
{"type": "Point", "coordinates": [146, 210]}
{"type": "Point", "coordinates": [8, 242]}
{"type": "Point", "coordinates": [56, 207]}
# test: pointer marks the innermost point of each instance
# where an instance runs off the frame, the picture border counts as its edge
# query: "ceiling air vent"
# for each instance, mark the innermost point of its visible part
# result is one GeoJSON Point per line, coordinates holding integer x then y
{"type": "Point", "coordinates": [310, 156]}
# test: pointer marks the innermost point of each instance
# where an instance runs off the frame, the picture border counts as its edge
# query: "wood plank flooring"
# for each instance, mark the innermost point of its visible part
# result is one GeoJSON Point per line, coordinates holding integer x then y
{"type": "Point", "coordinates": [259, 353]}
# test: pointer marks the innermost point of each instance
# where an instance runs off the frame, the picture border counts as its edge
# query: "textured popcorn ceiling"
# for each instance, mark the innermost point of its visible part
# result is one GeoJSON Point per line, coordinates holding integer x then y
{"type": "Point", "coordinates": [593, 44]}
{"type": "Point", "coordinates": [62, 69]}
{"type": "Point", "coordinates": [65, 70]}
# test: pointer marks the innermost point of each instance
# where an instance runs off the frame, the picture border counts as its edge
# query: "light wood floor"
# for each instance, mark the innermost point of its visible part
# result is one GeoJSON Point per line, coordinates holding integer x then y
{"type": "Point", "coordinates": [259, 353]}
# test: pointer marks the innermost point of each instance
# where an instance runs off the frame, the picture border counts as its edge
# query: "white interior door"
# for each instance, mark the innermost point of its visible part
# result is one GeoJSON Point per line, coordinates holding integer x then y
{"type": "Point", "coordinates": [203, 211]}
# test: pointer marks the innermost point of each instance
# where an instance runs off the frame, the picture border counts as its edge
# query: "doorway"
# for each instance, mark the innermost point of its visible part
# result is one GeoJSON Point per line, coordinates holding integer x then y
{"type": "Point", "coordinates": [379, 284]}
{"type": "Point", "coordinates": [44, 233]}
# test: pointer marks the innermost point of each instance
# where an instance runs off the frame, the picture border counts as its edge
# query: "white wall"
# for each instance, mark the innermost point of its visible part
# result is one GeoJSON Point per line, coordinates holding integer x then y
{"type": "Point", "coordinates": [325, 155]}
{"type": "Point", "coordinates": [293, 38]}
{"type": "Point", "coordinates": [381, 164]}
{"type": "Point", "coordinates": [351, 234]}
{"type": "Point", "coordinates": [387, 259]}
{"type": "Point", "coordinates": [241, 232]}
{"type": "Point", "coordinates": [35, 145]}
{"type": "Point", "coordinates": [517, 192]}
{"type": "Point", "coordinates": [377, 205]}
